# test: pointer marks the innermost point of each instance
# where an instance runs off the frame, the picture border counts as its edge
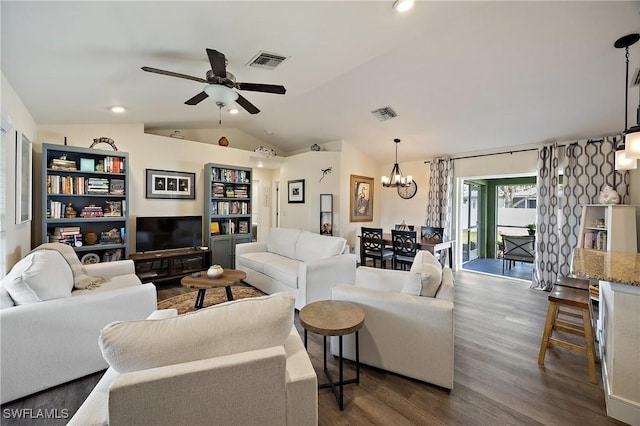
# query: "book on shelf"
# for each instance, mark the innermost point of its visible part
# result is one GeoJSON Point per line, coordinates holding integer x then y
{"type": "Point", "coordinates": [116, 186]}
{"type": "Point", "coordinates": [214, 228]}
{"type": "Point", "coordinates": [112, 208]}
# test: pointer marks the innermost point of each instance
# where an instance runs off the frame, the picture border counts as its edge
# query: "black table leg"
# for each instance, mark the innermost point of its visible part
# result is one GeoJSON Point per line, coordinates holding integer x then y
{"type": "Point", "coordinates": [200, 298]}
{"type": "Point", "coordinates": [229, 294]}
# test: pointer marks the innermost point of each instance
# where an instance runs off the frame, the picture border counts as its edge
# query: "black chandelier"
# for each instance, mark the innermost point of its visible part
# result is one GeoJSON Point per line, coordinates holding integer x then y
{"type": "Point", "coordinates": [396, 178]}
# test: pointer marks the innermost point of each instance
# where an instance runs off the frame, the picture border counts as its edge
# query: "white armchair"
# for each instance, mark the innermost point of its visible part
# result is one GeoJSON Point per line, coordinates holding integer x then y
{"type": "Point", "coordinates": [404, 333]}
{"type": "Point", "coordinates": [237, 363]}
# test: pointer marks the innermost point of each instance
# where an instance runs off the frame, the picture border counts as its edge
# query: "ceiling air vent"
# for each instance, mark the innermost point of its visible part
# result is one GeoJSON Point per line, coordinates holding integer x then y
{"type": "Point", "coordinates": [384, 113]}
{"type": "Point", "coordinates": [266, 60]}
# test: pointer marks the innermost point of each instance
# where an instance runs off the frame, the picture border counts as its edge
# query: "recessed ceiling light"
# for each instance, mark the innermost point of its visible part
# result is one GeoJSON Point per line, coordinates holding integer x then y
{"type": "Point", "coordinates": [403, 5]}
{"type": "Point", "coordinates": [117, 109]}
{"type": "Point", "coordinates": [233, 111]}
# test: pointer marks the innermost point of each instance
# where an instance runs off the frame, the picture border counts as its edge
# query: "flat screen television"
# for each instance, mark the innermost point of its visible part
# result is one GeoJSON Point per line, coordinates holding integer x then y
{"type": "Point", "coordinates": [168, 232]}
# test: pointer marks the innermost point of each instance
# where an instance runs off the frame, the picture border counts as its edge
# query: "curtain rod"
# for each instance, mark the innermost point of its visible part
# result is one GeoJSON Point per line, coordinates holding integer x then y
{"type": "Point", "coordinates": [511, 152]}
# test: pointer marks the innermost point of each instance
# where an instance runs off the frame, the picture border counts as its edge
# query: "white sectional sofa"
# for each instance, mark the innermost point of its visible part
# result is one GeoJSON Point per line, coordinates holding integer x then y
{"type": "Point", "coordinates": [301, 262]}
{"type": "Point", "coordinates": [50, 334]}
{"type": "Point", "coordinates": [172, 370]}
{"type": "Point", "coordinates": [409, 320]}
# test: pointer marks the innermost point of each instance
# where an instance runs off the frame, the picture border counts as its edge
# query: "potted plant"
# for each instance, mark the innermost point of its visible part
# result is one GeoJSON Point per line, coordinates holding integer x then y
{"type": "Point", "coordinates": [531, 228]}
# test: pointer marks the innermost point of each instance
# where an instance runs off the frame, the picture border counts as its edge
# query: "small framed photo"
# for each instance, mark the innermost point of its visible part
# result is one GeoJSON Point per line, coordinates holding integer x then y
{"type": "Point", "coordinates": [171, 184]}
{"type": "Point", "coordinates": [296, 191]}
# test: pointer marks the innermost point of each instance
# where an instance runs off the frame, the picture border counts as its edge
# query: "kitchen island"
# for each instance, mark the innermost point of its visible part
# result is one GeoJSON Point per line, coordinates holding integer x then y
{"type": "Point", "coordinates": [618, 326]}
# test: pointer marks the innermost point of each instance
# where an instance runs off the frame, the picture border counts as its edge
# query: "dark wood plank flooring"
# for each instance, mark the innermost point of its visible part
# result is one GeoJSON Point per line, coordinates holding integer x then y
{"type": "Point", "coordinates": [498, 381]}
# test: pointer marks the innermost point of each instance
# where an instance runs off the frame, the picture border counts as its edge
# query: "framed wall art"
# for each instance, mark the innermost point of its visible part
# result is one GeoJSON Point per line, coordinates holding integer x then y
{"type": "Point", "coordinates": [171, 184]}
{"type": "Point", "coordinates": [296, 191]}
{"type": "Point", "coordinates": [361, 199]}
{"type": "Point", "coordinates": [24, 167]}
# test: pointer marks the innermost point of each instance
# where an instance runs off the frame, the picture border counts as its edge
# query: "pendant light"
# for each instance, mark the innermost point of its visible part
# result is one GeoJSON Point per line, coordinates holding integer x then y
{"type": "Point", "coordinates": [632, 136]}
{"type": "Point", "coordinates": [628, 152]}
{"type": "Point", "coordinates": [396, 178]}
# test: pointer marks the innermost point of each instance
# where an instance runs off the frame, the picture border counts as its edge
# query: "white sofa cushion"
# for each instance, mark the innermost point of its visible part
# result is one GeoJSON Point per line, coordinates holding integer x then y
{"type": "Point", "coordinates": [231, 327]}
{"type": "Point", "coordinates": [283, 270]}
{"type": "Point", "coordinates": [282, 241]}
{"type": "Point", "coordinates": [41, 275]}
{"type": "Point", "coordinates": [255, 260]}
{"type": "Point", "coordinates": [312, 246]}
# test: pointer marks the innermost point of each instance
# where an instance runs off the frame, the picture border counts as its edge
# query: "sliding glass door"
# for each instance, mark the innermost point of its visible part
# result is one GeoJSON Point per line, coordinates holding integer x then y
{"type": "Point", "coordinates": [470, 221]}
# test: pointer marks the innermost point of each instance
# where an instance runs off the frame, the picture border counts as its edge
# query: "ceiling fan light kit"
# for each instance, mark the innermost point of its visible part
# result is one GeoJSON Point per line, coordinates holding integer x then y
{"type": "Point", "coordinates": [396, 178]}
{"type": "Point", "coordinates": [628, 152]}
{"type": "Point", "coordinates": [221, 95]}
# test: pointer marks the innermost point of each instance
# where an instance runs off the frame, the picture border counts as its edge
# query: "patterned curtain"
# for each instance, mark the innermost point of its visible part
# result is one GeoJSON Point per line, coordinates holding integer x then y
{"type": "Point", "coordinates": [547, 238]}
{"type": "Point", "coordinates": [440, 201]}
{"type": "Point", "coordinates": [590, 166]}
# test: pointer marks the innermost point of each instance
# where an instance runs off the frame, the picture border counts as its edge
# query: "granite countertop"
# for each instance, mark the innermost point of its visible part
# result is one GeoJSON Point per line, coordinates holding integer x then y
{"type": "Point", "coordinates": [612, 266]}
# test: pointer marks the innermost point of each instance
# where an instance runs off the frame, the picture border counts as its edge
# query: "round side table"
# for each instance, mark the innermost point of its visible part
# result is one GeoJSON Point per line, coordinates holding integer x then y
{"type": "Point", "coordinates": [334, 318]}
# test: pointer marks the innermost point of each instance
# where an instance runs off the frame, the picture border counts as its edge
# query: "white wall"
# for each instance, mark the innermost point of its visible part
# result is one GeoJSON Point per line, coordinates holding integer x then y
{"type": "Point", "coordinates": [15, 240]}
{"type": "Point", "coordinates": [309, 166]}
{"type": "Point", "coordinates": [148, 151]}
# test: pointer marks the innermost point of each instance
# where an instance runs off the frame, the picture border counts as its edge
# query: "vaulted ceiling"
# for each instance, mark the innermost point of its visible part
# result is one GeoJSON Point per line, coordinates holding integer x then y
{"type": "Point", "coordinates": [461, 76]}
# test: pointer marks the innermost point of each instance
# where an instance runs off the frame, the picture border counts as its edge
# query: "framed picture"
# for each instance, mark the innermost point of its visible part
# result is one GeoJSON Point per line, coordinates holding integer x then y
{"type": "Point", "coordinates": [361, 199]}
{"type": "Point", "coordinates": [170, 184]}
{"type": "Point", "coordinates": [24, 167]}
{"type": "Point", "coordinates": [296, 191]}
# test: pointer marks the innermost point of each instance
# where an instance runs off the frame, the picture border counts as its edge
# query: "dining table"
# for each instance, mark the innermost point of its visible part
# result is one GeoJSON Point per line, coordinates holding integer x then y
{"type": "Point", "coordinates": [429, 244]}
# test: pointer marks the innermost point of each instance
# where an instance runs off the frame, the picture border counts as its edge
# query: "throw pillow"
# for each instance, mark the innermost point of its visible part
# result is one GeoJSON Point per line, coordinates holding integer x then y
{"type": "Point", "coordinates": [232, 327]}
{"type": "Point", "coordinates": [413, 284]}
{"type": "Point", "coordinates": [430, 277]}
{"type": "Point", "coordinates": [41, 275]}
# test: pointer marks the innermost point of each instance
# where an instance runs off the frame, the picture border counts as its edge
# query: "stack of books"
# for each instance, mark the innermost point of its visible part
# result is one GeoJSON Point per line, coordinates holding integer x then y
{"type": "Point", "coordinates": [241, 191]}
{"type": "Point", "coordinates": [217, 189]}
{"type": "Point", "coordinates": [68, 235]}
{"type": "Point", "coordinates": [91, 211]}
{"type": "Point", "coordinates": [63, 164]}
{"type": "Point", "coordinates": [98, 186]}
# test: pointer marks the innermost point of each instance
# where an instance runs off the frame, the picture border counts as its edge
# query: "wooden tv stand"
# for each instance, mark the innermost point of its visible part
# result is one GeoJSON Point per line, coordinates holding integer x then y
{"type": "Point", "coordinates": [165, 265]}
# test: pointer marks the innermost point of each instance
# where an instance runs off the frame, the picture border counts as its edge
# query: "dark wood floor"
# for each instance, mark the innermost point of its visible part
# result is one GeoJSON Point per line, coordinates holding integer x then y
{"type": "Point", "coordinates": [498, 381]}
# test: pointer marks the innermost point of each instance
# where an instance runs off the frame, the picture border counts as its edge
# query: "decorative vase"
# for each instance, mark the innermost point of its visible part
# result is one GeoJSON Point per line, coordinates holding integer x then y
{"type": "Point", "coordinates": [90, 238]}
{"type": "Point", "coordinates": [608, 196]}
{"type": "Point", "coordinates": [223, 141]}
{"type": "Point", "coordinates": [215, 271]}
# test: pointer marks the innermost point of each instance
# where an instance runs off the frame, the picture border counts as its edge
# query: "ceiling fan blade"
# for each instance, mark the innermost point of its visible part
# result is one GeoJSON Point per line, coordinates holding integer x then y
{"type": "Point", "coordinates": [174, 74]}
{"type": "Point", "coordinates": [197, 99]}
{"type": "Point", "coordinates": [257, 87]}
{"type": "Point", "coordinates": [218, 63]}
{"type": "Point", "coordinates": [244, 103]}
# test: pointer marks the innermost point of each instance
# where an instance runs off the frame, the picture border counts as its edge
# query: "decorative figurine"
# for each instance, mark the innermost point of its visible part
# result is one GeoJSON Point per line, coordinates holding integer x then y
{"type": "Point", "coordinates": [69, 211]}
{"type": "Point", "coordinates": [608, 196]}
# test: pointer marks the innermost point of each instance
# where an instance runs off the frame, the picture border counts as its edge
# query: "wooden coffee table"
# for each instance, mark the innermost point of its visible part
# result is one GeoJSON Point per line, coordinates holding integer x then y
{"type": "Point", "coordinates": [203, 282]}
{"type": "Point", "coordinates": [334, 318]}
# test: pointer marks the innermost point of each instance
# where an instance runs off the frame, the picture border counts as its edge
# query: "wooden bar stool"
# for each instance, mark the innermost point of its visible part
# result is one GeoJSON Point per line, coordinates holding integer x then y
{"type": "Point", "coordinates": [579, 283]}
{"type": "Point", "coordinates": [584, 285]}
{"type": "Point", "coordinates": [571, 298]}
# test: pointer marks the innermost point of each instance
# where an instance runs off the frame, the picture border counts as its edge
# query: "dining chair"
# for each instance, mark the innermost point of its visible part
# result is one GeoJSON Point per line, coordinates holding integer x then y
{"type": "Point", "coordinates": [372, 246]}
{"type": "Point", "coordinates": [405, 247]}
{"type": "Point", "coordinates": [432, 233]}
{"type": "Point", "coordinates": [401, 227]}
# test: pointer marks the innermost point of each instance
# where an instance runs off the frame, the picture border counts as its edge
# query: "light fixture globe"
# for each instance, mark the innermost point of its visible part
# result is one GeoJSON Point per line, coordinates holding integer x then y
{"type": "Point", "coordinates": [396, 178]}
{"type": "Point", "coordinates": [623, 162]}
{"type": "Point", "coordinates": [629, 151]}
{"type": "Point", "coordinates": [221, 95]}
